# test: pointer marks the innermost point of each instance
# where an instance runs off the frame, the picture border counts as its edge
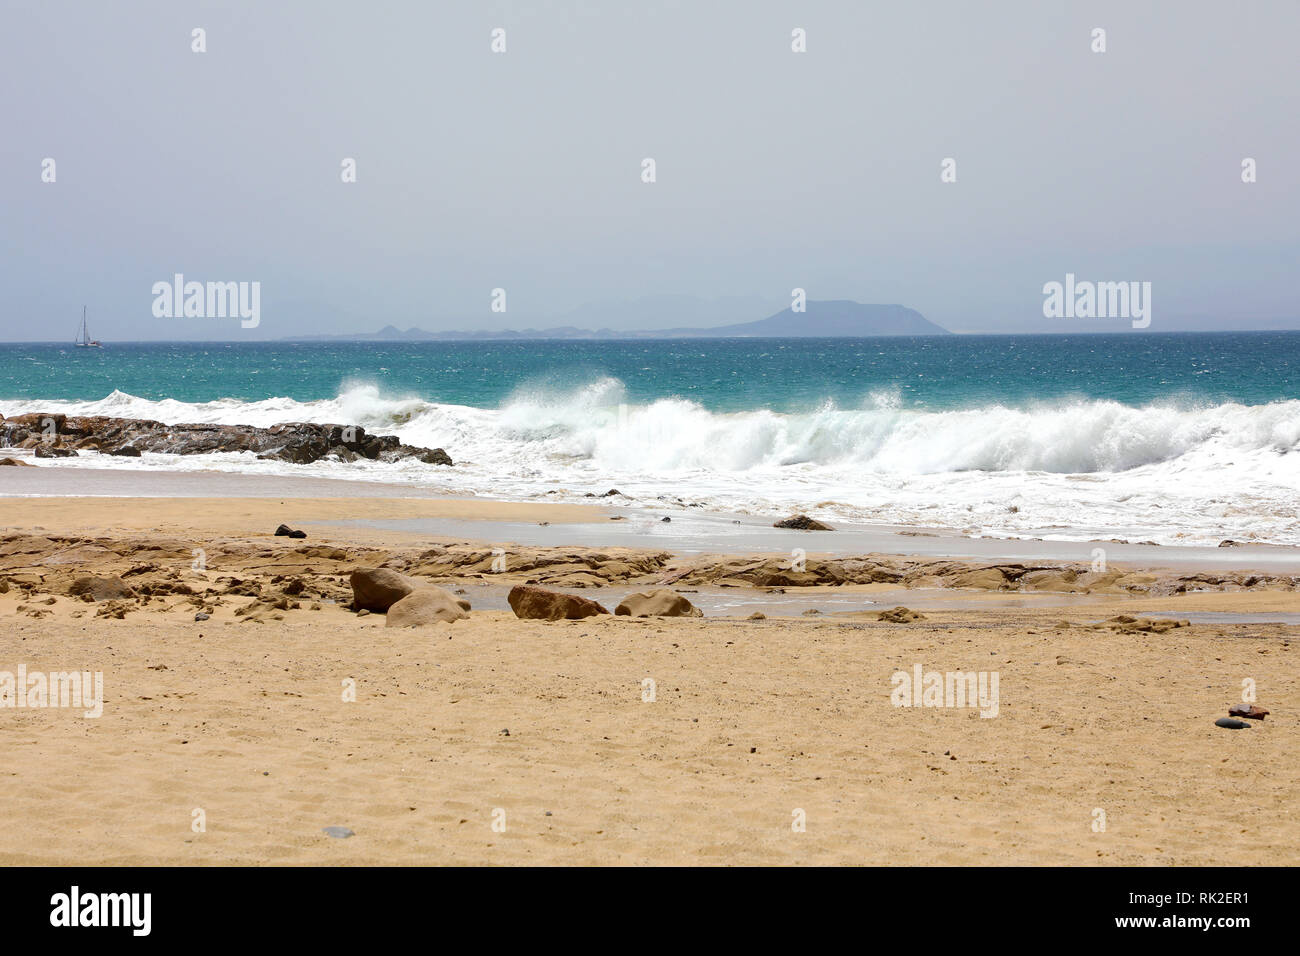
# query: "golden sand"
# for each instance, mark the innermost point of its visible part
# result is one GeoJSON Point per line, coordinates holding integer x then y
{"type": "Point", "coordinates": [545, 727]}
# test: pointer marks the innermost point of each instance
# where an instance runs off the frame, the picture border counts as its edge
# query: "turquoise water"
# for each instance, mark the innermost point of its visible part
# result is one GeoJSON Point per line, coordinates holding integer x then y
{"type": "Point", "coordinates": [941, 372]}
{"type": "Point", "coordinates": [1175, 438]}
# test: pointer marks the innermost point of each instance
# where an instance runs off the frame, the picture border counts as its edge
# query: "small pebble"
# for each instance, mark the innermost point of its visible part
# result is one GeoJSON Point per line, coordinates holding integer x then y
{"type": "Point", "coordinates": [1230, 723]}
{"type": "Point", "coordinates": [339, 833]}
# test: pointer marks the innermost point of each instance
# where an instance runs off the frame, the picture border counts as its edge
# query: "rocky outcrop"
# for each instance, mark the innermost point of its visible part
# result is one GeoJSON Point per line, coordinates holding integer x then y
{"type": "Point", "coordinates": [95, 588]}
{"type": "Point", "coordinates": [296, 442]}
{"type": "Point", "coordinates": [659, 603]}
{"type": "Point", "coordinates": [537, 603]}
{"type": "Point", "coordinates": [1127, 624]}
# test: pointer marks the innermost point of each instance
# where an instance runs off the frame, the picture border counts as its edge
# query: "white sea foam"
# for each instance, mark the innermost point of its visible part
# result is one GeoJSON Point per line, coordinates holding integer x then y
{"type": "Point", "coordinates": [1172, 473]}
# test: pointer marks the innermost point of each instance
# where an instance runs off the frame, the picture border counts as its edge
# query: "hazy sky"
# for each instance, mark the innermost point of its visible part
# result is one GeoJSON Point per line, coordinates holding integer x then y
{"type": "Point", "coordinates": [478, 170]}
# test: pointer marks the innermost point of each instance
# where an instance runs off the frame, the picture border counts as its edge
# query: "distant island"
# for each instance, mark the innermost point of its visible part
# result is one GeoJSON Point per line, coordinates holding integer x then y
{"type": "Point", "coordinates": [833, 318]}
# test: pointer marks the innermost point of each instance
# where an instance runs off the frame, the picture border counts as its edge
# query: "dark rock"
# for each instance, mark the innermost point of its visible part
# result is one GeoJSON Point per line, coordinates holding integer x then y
{"type": "Point", "coordinates": [297, 534]}
{"type": "Point", "coordinates": [802, 523]}
{"type": "Point", "coordinates": [283, 531]}
{"type": "Point", "coordinates": [202, 617]}
{"type": "Point", "coordinates": [612, 492]}
{"type": "Point", "coordinates": [124, 451]}
{"type": "Point", "coordinates": [665, 519]}
{"type": "Point", "coordinates": [436, 457]}
{"type": "Point", "coordinates": [45, 450]}
{"type": "Point", "coordinates": [297, 442]}
{"type": "Point", "coordinates": [1231, 724]}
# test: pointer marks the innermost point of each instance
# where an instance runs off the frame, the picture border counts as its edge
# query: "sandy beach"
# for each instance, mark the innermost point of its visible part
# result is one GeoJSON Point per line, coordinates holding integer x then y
{"type": "Point", "coordinates": [495, 740]}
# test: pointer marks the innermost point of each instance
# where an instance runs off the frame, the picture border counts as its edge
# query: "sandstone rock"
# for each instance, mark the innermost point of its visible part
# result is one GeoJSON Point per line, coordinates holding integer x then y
{"type": "Point", "coordinates": [1247, 710]}
{"type": "Point", "coordinates": [436, 456]}
{"type": "Point", "coordinates": [14, 462]}
{"type": "Point", "coordinates": [540, 604]}
{"type": "Point", "coordinates": [426, 605]}
{"type": "Point", "coordinates": [1063, 580]}
{"type": "Point", "coordinates": [378, 589]}
{"type": "Point", "coordinates": [658, 603]}
{"type": "Point", "coordinates": [100, 588]}
{"type": "Point", "coordinates": [990, 579]}
{"type": "Point", "coordinates": [802, 523]}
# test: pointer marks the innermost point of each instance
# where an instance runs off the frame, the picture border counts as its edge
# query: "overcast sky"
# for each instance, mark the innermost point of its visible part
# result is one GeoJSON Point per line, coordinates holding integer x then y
{"type": "Point", "coordinates": [523, 170]}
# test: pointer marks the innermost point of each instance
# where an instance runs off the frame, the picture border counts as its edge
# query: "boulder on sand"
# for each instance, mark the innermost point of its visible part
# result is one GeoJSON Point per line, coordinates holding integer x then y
{"type": "Point", "coordinates": [427, 605]}
{"type": "Point", "coordinates": [660, 603]}
{"type": "Point", "coordinates": [1247, 710]}
{"type": "Point", "coordinates": [378, 589]}
{"type": "Point", "coordinates": [101, 588]}
{"type": "Point", "coordinates": [17, 463]}
{"type": "Point", "coordinates": [900, 615]}
{"type": "Point", "coordinates": [802, 523]}
{"type": "Point", "coordinates": [528, 601]}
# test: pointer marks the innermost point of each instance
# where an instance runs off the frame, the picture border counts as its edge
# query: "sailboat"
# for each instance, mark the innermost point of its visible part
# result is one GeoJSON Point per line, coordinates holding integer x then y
{"type": "Point", "coordinates": [84, 341]}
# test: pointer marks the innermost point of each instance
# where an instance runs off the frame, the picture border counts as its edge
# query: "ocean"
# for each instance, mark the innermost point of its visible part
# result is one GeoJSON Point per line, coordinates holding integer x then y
{"type": "Point", "coordinates": [1169, 437]}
